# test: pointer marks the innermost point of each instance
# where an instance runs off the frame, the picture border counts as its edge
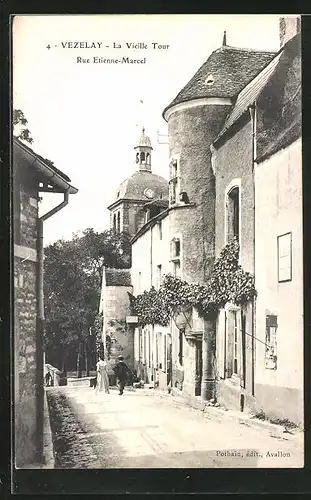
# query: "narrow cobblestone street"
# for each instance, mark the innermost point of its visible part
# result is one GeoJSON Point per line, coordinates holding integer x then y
{"type": "Point", "coordinates": [144, 429]}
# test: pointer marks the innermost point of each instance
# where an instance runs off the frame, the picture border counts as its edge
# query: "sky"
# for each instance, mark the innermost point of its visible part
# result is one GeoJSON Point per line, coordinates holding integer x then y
{"type": "Point", "coordinates": [86, 116]}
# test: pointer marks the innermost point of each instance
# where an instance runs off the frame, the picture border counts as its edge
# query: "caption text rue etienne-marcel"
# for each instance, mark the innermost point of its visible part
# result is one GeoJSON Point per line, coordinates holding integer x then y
{"type": "Point", "coordinates": [117, 58]}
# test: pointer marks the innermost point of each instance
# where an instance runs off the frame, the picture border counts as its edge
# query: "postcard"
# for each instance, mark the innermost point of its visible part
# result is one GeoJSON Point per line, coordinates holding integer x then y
{"type": "Point", "coordinates": [158, 265]}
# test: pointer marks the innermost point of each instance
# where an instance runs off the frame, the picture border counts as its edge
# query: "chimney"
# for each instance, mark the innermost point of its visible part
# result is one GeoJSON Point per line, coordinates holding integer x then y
{"type": "Point", "coordinates": [288, 28]}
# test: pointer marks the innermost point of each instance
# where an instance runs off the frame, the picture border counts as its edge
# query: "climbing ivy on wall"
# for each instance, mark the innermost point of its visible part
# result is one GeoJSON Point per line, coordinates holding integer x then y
{"type": "Point", "coordinates": [228, 282]}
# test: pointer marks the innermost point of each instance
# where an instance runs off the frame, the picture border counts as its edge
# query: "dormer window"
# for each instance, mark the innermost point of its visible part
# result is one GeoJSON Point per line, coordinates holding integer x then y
{"type": "Point", "coordinates": [209, 80]}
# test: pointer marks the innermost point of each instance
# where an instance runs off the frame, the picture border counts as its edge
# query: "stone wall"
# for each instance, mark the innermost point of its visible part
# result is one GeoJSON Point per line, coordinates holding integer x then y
{"type": "Point", "coordinates": [233, 165]}
{"type": "Point", "coordinates": [27, 350]}
{"type": "Point", "coordinates": [191, 133]}
{"type": "Point", "coordinates": [116, 308]}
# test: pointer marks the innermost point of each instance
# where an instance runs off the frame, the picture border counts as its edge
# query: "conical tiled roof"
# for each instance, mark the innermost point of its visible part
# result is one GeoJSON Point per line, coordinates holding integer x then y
{"type": "Point", "coordinates": [224, 74]}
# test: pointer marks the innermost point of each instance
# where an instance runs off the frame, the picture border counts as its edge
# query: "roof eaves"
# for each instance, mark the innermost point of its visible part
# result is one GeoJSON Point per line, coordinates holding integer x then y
{"type": "Point", "coordinates": [48, 170]}
{"type": "Point", "coordinates": [249, 94]}
{"type": "Point", "coordinates": [150, 223]}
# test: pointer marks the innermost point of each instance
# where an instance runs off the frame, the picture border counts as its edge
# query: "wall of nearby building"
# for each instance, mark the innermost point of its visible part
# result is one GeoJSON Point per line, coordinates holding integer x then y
{"type": "Point", "coordinates": [279, 391]}
{"type": "Point", "coordinates": [28, 401]}
{"type": "Point", "coordinates": [149, 251]}
{"type": "Point", "coordinates": [191, 133]}
{"type": "Point", "coordinates": [115, 309]}
{"type": "Point", "coordinates": [233, 166]}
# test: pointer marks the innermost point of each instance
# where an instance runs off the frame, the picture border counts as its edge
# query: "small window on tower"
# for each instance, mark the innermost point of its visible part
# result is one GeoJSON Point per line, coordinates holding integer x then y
{"type": "Point", "coordinates": [142, 156]}
{"type": "Point", "coordinates": [209, 80]}
{"type": "Point", "coordinates": [174, 182]}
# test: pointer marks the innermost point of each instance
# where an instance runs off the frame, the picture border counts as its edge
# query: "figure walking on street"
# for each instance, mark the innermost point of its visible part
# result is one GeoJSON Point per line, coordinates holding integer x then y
{"type": "Point", "coordinates": [48, 379]}
{"type": "Point", "coordinates": [121, 371]}
{"type": "Point", "coordinates": [102, 383]}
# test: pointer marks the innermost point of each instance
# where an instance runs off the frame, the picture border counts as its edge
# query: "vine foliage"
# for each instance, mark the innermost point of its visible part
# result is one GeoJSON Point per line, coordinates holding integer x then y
{"type": "Point", "coordinates": [228, 282]}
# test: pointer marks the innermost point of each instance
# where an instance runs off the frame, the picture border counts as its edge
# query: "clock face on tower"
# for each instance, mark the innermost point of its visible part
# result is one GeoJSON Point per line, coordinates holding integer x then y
{"type": "Point", "coordinates": [149, 193]}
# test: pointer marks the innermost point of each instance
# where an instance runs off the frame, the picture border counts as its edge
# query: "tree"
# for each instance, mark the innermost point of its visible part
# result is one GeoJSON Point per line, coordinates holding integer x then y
{"type": "Point", "coordinates": [72, 282]}
{"type": "Point", "coordinates": [19, 126]}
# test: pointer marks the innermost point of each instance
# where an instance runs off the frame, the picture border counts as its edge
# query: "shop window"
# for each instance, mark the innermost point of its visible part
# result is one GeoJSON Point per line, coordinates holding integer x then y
{"type": "Point", "coordinates": [284, 243]}
{"type": "Point", "coordinates": [271, 342]}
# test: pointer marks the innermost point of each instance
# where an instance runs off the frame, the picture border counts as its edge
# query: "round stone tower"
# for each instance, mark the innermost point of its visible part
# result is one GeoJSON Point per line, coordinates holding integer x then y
{"type": "Point", "coordinates": [195, 117]}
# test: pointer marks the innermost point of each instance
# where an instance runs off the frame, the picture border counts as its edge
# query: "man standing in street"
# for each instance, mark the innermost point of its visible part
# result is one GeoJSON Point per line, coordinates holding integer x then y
{"type": "Point", "coordinates": [121, 371]}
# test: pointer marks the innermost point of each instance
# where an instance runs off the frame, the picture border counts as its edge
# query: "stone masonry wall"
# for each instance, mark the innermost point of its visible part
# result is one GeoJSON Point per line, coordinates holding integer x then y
{"type": "Point", "coordinates": [234, 161]}
{"type": "Point", "coordinates": [116, 309]}
{"type": "Point", "coordinates": [25, 339]}
{"type": "Point", "coordinates": [25, 361]}
{"type": "Point", "coordinates": [191, 133]}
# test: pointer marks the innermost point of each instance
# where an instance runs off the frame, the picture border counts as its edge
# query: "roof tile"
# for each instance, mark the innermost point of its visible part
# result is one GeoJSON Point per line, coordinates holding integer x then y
{"type": "Point", "coordinates": [231, 69]}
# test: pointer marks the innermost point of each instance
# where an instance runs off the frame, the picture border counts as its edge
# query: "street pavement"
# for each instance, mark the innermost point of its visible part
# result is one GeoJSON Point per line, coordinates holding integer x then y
{"type": "Point", "coordinates": [144, 428]}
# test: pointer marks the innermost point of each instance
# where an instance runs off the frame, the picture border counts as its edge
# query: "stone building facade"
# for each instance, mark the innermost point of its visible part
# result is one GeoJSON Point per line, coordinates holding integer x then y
{"type": "Point", "coordinates": [138, 199]}
{"type": "Point", "coordinates": [265, 120]}
{"type": "Point", "coordinates": [32, 175]}
{"type": "Point", "coordinates": [117, 336]}
{"type": "Point", "coordinates": [152, 343]}
{"type": "Point", "coordinates": [195, 118]}
{"type": "Point", "coordinates": [230, 128]}
{"type": "Point", "coordinates": [279, 242]}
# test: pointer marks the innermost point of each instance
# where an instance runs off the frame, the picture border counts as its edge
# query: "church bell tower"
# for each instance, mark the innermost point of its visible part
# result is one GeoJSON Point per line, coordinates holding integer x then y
{"type": "Point", "coordinates": [143, 150]}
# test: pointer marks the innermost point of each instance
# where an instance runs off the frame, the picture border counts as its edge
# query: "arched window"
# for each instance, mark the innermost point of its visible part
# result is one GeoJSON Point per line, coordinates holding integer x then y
{"type": "Point", "coordinates": [148, 158]}
{"type": "Point", "coordinates": [142, 156]}
{"type": "Point", "coordinates": [118, 223]}
{"type": "Point", "coordinates": [114, 222]}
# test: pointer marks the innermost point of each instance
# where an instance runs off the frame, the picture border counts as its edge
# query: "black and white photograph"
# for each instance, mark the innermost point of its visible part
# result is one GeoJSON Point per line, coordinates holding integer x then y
{"type": "Point", "coordinates": [158, 241]}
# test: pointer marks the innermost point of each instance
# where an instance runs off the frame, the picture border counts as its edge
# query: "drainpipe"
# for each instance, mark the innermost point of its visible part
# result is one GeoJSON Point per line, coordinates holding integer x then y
{"type": "Point", "coordinates": [208, 388]}
{"type": "Point", "coordinates": [253, 115]}
{"type": "Point", "coordinates": [40, 322]}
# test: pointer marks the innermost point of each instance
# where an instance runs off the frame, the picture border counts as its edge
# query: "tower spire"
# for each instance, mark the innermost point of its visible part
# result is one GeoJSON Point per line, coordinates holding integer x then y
{"type": "Point", "coordinates": [143, 150]}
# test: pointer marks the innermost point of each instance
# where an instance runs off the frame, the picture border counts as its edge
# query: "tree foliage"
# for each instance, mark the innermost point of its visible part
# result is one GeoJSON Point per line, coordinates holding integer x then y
{"type": "Point", "coordinates": [72, 281]}
{"type": "Point", "coordinates": [19, 126]}
{"type": "Point", "coordinates": [228, 282]}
